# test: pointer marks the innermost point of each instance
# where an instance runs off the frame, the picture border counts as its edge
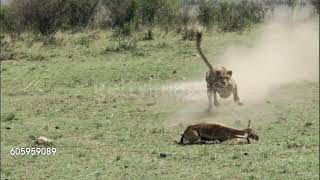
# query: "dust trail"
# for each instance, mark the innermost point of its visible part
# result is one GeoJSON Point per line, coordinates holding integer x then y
{"type": "Point", "coordinates": [285, 52]}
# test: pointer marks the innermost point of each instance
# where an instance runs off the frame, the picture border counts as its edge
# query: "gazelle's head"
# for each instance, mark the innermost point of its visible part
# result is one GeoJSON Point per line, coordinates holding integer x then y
{"type": "Point", "coordinates": [250, 133]}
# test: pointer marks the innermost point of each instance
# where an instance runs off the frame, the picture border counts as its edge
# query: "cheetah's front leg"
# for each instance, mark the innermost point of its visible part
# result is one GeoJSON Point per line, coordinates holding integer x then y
{"type": "Point", "coordinates": [236, 96]}
{"type": "Point", "coordinates": [215, 98]}
{"type": "Point", "coordinates": [209, 94]}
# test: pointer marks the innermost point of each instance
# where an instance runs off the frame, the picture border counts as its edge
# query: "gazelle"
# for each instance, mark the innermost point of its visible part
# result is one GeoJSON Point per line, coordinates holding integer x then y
{"type": "Point", "coordinates": [204, 132]}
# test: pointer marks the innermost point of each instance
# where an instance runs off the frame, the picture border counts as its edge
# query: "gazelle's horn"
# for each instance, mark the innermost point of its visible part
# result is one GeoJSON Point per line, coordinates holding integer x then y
{"type": "Point", "coordinates": [249, 123]}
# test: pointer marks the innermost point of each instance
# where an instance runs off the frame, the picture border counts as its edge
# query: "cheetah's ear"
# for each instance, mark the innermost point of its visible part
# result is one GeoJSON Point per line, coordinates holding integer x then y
{"type": "Point", "coordinates": [229, 72]}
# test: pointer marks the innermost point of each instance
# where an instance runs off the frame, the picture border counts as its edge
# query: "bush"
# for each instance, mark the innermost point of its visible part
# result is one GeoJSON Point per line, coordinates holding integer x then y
{"type": "Point", "coordinates": [47, 17]}
{"type": "Point", "coordinates": [206, 13]}
{"type": "Point", "coordinates": [121, 12]}
{"type": "Point", "coordinates": [42, 16]}
{"type": "Point", "coordinates": [167, 14]}
{"type": "Point", "coordinates": [184, 15]}
{"type": "Point", "coordinates": [121, 44]}
{"type": "Point", "coordinates": [151, 13]}
{"type": "Point", "coordinates": [316, 5]}
{"type": "Point", "coordinates": [230, 15]}
{"type": "Point", "coordinates": [147, 10]}
{"type": "Point", "coordinates": [123, 30]}
{"type": "Point", "coordinates": [78, 13]}
{"type": "Point", "coordinates": [8, 19]}
{"type": "Point", "coordinates": [7, 49]}
{"type": "Point", "coordinates": [125, 16]}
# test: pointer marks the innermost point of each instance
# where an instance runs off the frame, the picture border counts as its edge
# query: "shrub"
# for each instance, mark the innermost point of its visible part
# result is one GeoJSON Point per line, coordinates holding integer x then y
{"type": "Point", "coordinates": [121, 44]}
{"type": "Point", "coordinates": [151, 13]}
{"type": "Point", "coordinates": [7, 50]}
{"type": "Point", "coordinates": [121, 12]}
{"type": "Point", "coordinates": [166, 16]}
{"type": "Point", "coordinates": [124, 16]}
{"type": "Point", "coordinates": [123, 30]}
{"type": "Point", "coordinates": [8, 19]}
{"type": "Point", "coordinates": [147, 10]}
{"type": "Point", "coordinates": [42, 16]}
{"type": "Point", "coordinates": [47, 17]}
{"type": "Point", "coordinates": [78, 13]}
{"type": "Point", "coordinates": [184, 15]}
{"type": "Point", "coordinates": [316, 5]}
{"type": "Point", "coordinates": [230, 15]}
{"type": "Point", "coordinates": [206, 13]}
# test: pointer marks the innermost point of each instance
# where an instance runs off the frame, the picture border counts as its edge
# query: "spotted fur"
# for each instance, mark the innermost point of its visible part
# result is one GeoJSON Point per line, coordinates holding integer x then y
{"type": "Point", "coordinates": [219, 79]}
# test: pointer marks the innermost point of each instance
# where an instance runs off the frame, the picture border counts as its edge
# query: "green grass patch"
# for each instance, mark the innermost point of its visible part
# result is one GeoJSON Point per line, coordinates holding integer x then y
{"type": "Point", "coordinates": [106, 117]}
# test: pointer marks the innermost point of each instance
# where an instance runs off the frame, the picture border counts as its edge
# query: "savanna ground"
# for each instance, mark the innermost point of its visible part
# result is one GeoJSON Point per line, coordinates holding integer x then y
{"type": "Point", "coordinates": [104, 106]}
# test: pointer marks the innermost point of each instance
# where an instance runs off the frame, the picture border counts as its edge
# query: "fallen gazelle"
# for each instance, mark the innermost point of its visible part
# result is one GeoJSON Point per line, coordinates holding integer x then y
{"type": "Point", "coordinates": [203, 133]}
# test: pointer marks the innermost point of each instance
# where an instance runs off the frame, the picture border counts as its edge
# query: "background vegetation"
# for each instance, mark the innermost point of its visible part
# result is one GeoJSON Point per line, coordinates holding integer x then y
{"type": "Point", "coordinates": [126, 16]}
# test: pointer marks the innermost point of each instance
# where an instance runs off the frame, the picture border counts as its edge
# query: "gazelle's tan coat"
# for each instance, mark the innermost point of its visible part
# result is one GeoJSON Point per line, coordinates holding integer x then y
{"type": "Point", "coordinates": [204, 132]}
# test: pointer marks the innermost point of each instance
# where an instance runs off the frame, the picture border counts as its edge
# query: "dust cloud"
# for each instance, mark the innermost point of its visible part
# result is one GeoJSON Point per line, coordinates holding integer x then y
{"type": "Point", "coordinates": [286, 51]}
